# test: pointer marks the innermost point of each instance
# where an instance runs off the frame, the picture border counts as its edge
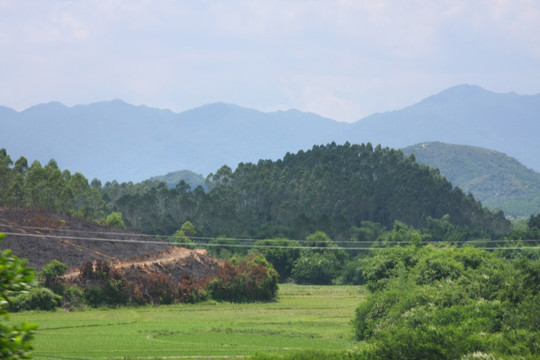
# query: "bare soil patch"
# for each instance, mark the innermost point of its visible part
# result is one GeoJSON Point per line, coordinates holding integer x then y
{"type": "Point", "coordinates": [41, 237]}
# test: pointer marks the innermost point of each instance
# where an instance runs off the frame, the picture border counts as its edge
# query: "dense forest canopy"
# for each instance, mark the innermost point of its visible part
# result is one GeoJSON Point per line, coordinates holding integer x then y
{"type": "Point", "coordinates": [47, 187]}
{"type": "Point", "coordinates": [332, 188]}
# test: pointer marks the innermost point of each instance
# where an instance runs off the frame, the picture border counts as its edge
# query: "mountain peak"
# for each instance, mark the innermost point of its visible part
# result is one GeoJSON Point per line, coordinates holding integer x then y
{"type": "Point", "coordinates": [50, 107]}
{"type": "Point", "coordinates": [457, 93]}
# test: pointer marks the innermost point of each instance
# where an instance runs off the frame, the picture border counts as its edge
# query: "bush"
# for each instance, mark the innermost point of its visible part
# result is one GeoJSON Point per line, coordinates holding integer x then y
{"type": "Point", "coordinates": [38, 298]}
{"type": "Point", "coordinates": [102, 284]}
{"type": "Point", "coordinates": [190, 290]}
{"type": "Point", "coordinates": [253, 279]}
{"type": "Point", "coordinates": [153, 289]}
{"type": "Point", "coordinates": [352, 273]}
{"type": "Point", "coordinates": [115, 220]}
{"type": "Point", "coordinates": [72, 297]}
{"type": "Point", "coordinates": [282, 259]}
{"type": "Point", "coordinates": [386, 265]}
{"type": "Point", "coordinates": [51, 274]}
{"type": "Point", "coordinates": [450, 303]}
{"type": "Point", "coordinates": [314, 269]}
{"type": "Point", "coordinates": [15, 278]}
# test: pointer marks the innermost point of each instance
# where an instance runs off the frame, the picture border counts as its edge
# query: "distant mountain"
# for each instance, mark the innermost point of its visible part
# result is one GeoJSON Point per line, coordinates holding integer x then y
{"type": "Point", "coordinates": [463, 114]}
{"type": "Point", "coordinates": [173, 178]}
{"type": "Point", "coordinates": [114, 140]}
{"type": "Point", "coordinates": [117, 141]}
{"type": "Point", "coordinates": [496, 179]}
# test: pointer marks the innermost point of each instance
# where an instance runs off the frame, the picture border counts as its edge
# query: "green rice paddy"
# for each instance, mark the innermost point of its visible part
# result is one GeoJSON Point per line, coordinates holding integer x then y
{"type": "Point", "coordinates": [304, 318]}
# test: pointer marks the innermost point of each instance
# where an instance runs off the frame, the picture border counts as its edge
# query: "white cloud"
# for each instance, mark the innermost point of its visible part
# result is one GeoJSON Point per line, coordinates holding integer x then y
{"type": "Point", "coordinates": [343, 59]}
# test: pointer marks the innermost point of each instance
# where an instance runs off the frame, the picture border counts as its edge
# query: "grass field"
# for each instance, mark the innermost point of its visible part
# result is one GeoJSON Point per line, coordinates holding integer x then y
{"type": "Point", "coordinates": [304, 318]}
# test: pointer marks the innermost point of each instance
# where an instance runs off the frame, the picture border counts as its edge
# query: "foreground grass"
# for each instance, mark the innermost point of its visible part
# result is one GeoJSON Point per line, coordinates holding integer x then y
{"type": "Point", "coordinates": [304, 318]}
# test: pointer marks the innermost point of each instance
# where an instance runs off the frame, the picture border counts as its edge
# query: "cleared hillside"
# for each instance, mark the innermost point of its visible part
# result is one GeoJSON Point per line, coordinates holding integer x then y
{"type": "Point", "coordinates": [41, 237]}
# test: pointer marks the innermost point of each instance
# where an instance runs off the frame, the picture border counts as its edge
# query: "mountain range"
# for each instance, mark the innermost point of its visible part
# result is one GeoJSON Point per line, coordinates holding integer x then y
{"type": "Point", "coordinates": [114, 140]}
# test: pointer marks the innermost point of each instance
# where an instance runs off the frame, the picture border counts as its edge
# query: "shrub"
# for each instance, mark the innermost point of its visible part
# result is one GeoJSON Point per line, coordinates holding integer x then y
{"type": "Point", "coordinates": [352, 273]}
{"type": "Point", "coordinates": [253, 279]}
{"type": "Point", "coordinates": [282, 259]}
{"type": "Point", "coordinates": [51, 274]}
{"type": "Point", "coordinates": [38, 298]}
{"type": "Point", "coordinates": [450, 304]}
{"type": "Point", "coordinates": [72, 297]}
{"type": "Point", "coordinates": [102, 284]}
{"type": "Point", "coordinates": [190, 290]}
{"type": "Point", "coordinates": [314, 269]}
{"type": "Point", "coordinates": [154, 288]}
{"type": "Point", "coordinates": [115, 219]}
{"type": "Point", "coordinates": [15, 277]}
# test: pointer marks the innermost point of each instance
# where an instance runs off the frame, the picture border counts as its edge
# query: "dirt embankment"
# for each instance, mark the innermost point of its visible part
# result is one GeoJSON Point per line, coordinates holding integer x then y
{"type": "Point", "coordinates": [41, 237]}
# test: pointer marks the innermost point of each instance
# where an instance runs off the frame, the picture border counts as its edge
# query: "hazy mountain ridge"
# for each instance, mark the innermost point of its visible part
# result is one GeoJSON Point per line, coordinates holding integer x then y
{"type": "Point", "coordinates": [494, 178]}
{"type": "Point", "coordinates": [115, 140]}
{"type": "Point", "coordinates": [467, 115]}
{"type": "Point", "coordinates": [173, 178]}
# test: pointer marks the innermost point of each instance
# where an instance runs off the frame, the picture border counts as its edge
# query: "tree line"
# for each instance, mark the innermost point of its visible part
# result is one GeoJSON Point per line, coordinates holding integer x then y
{"type": "Point", "coordinates": [331, 188]}
{"type": "Point", "coordinates": [47, 187]}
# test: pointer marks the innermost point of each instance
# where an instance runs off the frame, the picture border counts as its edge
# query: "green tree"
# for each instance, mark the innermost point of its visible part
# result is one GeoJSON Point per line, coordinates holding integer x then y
{"type": "Point", "coordinates": [281, 253]}
{"type": "Point", "coordinates": [313, 269]}
{"type": "Point", "coordinates": [450, 303]}
{"type": "Point", "coordinates": [5, 175]}
{"type": "Point", "coordinates": [15, 277]}
{"type": "Point", "coordinates": [184, 234]}
{"type": "Point", "coordinates": [51, 275]}
{"type": "Point", "coordinates": [534, 221]}
{"type": "Point", "coordinates": [114, 219]}
{"type": "Point", "coordinates": [188, 229]}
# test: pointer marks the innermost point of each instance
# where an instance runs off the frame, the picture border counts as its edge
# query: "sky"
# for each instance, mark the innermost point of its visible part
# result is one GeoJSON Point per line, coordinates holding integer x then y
{"type": "Point", "coordinates": [342, 59]}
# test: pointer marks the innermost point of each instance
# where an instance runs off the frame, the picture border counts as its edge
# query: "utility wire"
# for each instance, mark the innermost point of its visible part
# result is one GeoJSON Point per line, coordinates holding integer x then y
{"type": "Point", "coordinates": [131, 241]}
{"type": "Point", "coordinates": [254, 240]}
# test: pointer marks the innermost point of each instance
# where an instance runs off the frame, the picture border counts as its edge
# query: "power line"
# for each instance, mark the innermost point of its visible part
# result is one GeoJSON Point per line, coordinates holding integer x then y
{"type": "Point", "coordinates": [119, 233]}
{"type": "Point", "coordinates": [198, 244]}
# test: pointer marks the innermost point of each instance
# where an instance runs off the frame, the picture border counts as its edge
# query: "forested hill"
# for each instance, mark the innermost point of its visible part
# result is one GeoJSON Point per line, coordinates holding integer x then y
{"type": "Point", "coordinates": [330, 188]}
{"type": "Point", "coordinates": [494, 178]}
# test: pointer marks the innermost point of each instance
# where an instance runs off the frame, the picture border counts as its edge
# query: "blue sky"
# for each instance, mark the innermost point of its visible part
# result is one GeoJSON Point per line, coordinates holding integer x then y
{"type": "Point", "coordinates": [340, 59]}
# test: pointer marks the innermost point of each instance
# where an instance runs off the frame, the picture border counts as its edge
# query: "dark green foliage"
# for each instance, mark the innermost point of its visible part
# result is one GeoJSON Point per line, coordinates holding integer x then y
{"type": "Point", "coordinates": [386, 265]}
{"type": "Point", "coordinates": [320, 262]}
{"type": "Point", "coordinates": [352, 272]}
{"type": "Point", "coordinates": [72, 297]}
{"type": "Point", "coordinates": [252, 279]}
{"type": "Point", "coordinates": [15, 278]}
{"type": "Point", "coordinates": [51, 275]}
{"type": "Point", "coordinates": [449, 303]}
{"type": "Point", "coordinates": [332, 188]}
{"type": "Point", "coordinates": [38, 298]}
{"type": "Point", "coordinates": [534, 221]}
{"type": "Point", "coordinates": [47, 188]}
{"type": "Point", "coordinates": [281, 253]}
{"type": "Point", "coordinates": [314, 269]}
